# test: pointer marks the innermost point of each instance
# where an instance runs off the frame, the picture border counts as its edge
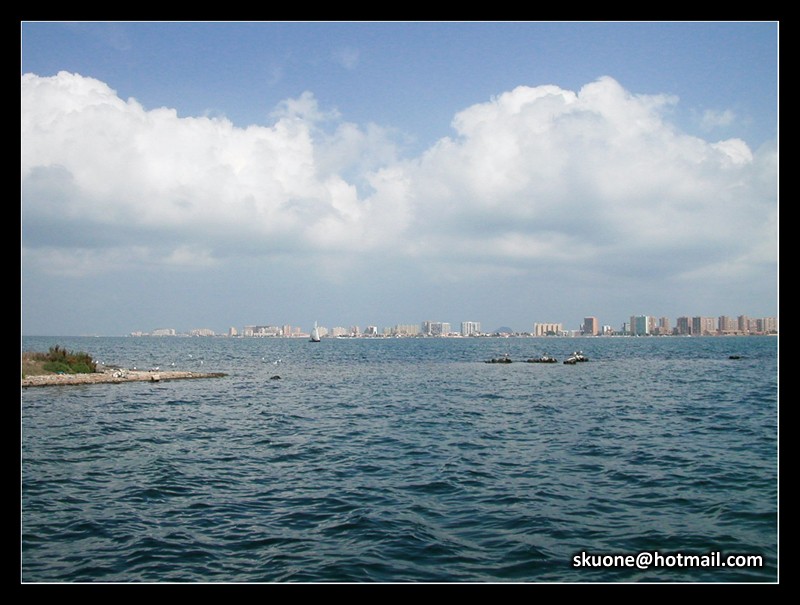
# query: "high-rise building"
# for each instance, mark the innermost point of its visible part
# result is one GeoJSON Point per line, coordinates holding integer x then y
{"type": "Point", "coordinates": [470, 328]}
{"type": "Point", "coordinates": [726, 325]}
{"type": "Point", "coordinates": [684, 326]}
{"type": "Point", "coordinates": [547, 329]}
{"type": "Point", "coordinates": [261, 331]}
{"type": "Point", "coordinates": [641, 325]}
{"type": "Point", "coordinates": [767, 325]}
{"type": "Point", "coordinates": [435, 328]}
{"type": "Point", "coordinates": [405, 330]}
{"type": "Point", "coordinates": [664, 326]}
{"type": "Point", "coordinates": [590, 326]}
{"type": "Point", "coordinates": [743, 324]}
{"type": "Point", "coordinates": [703, 326]}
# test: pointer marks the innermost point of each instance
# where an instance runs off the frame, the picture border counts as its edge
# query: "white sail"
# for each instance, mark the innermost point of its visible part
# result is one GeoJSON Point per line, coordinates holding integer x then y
{"type": "Point", "coordinates": [315, 333]}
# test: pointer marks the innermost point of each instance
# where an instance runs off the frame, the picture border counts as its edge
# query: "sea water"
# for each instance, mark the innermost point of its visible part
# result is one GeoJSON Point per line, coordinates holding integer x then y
{"type": "Point", "coordinates": [405, 460]}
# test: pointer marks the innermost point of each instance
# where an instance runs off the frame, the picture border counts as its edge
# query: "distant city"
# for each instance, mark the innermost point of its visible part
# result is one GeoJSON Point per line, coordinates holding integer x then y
{"type": "Point", "coordinates": [639, 325]}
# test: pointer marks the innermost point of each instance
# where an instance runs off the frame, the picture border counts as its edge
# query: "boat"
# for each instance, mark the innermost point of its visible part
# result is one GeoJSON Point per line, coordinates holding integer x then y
{"type": "Point", "coordinates": [315, 333]}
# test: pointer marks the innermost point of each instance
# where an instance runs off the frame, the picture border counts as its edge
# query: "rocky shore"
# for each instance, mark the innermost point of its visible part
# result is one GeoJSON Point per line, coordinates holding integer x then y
{"type": "Point", "coordinates": [113, 376]}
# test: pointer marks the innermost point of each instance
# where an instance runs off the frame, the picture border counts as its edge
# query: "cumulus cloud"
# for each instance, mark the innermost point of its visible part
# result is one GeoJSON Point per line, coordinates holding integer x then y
{"type": "Point", "coordinates": [595, 176]}
{"type": "Point", "coordinates": [101, 164]}
{"type": "Point", "coordinates": [537, 176]}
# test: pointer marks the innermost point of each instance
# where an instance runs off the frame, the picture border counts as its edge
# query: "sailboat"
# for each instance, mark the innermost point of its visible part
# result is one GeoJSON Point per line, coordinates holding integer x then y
{"type": "Point", "coordinates": [315, 333]}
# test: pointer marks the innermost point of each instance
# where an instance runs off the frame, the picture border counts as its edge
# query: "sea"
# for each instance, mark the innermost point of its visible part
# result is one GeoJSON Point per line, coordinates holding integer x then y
{"type": "Point", "coordinates": [406, 460]}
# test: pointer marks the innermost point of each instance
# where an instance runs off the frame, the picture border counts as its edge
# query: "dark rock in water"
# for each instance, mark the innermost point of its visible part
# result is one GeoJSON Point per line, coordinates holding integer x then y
{"type": "Point", "coordinates": [503, 359]}
{"type": "Point", "coordinates": [276, 377]}
{"type": "Point", "coordinates": [734, 356]}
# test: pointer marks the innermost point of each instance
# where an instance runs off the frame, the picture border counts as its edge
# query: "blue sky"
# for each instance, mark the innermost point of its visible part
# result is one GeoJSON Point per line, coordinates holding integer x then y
{"type": "Point", "coordinates": [194, 175]}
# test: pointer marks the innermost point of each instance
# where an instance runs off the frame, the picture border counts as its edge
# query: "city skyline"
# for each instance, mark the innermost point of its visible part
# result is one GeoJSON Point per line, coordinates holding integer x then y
{"type": "Point", "coordinates": [184, 173]}
{"type": "Point", "coordinates": [641, 325]}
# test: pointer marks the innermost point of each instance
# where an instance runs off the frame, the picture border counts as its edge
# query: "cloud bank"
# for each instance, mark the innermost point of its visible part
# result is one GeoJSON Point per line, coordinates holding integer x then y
{"type": "Point", "coordinates": [536, 177]}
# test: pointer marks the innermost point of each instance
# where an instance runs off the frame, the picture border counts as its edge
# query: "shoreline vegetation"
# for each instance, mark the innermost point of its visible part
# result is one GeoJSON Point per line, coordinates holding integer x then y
{"type": "Point", "coordinates": [61, 367]}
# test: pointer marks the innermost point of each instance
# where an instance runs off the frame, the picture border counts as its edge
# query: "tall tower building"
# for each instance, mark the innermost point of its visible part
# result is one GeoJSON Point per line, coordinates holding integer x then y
{"type": "Point", "coordinates": [743, 324]}
{"type": "Point", "coordinates": [703, 326]}
{"type": "Point", "coordinates": [591, 327]}
{"type": "Point", "coordinates": [768, 325]}
{"type": "Point", "coordinates": [640, 325]}
{"type": "Point", "coordinates": [684, 326]}
{"type": "Point", "coordinates": [725, 325]}
{"type": "Point", "coordinates": [470, 328]}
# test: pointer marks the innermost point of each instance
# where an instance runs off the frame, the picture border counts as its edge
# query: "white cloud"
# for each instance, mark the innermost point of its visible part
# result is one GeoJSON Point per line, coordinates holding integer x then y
{"type": "Point", "coordinates": [537, 176]}
{"type": "Point", "coordinates": [97, 162]}
{"type": "Point", "coordinates": [712, 119]}
{"type": "Point", "coordinates": [736, 151]}
{"type": "Point", "coordinates": [595, 177]}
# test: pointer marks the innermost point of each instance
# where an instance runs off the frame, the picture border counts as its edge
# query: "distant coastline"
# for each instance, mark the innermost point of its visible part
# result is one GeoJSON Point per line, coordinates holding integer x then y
{"type": "Point", "coordinates": [639, 325]}
{"type": "Point", "coordinates": [454, 335]}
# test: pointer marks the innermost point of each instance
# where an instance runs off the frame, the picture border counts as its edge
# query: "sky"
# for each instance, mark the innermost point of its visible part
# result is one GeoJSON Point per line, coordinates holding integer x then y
{"type": "Point", "coordinates": [220, 174]}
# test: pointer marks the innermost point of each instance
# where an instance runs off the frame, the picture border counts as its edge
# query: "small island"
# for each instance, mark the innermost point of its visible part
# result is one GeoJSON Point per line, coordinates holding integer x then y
{"type": "Point", "coordinates": [61, 367]}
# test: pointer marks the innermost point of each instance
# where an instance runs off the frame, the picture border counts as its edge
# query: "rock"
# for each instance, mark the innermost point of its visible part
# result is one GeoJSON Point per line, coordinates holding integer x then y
{"type": "Point", "coordinates": [111, 376]}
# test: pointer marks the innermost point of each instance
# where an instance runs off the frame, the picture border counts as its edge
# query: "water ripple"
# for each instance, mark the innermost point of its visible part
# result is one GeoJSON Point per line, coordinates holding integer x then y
{"type": "Point", "coordinates": [409, 461]}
